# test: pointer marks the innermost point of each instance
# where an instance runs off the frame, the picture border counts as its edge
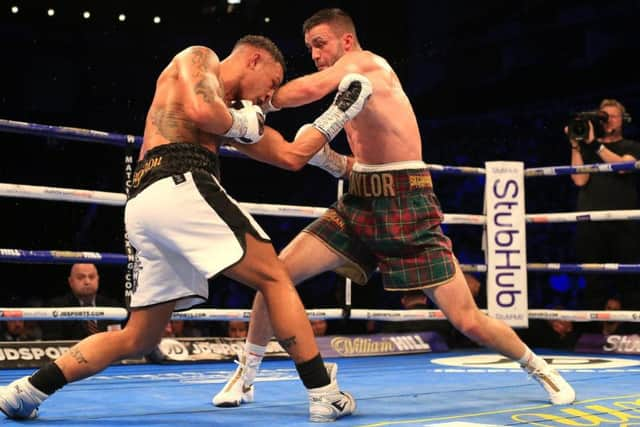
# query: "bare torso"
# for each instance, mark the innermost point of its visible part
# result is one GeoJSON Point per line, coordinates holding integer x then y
{"type": "Point", "coordinates": [386, 130]}
{"type": "Point", "coordinates": [167, 120]}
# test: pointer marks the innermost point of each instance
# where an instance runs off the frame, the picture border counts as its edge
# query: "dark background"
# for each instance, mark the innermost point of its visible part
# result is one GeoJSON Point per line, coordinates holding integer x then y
{"type": "Point", "coordinates": [490, 80]}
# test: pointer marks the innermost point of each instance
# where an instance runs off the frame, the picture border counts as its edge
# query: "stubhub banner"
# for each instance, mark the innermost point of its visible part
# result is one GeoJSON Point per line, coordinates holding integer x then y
{"type": "Point", "coordinates": [506, 248]}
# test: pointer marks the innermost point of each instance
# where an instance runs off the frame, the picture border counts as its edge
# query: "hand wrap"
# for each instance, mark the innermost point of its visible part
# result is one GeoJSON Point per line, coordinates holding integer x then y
{"type": "Point", "coordinates": [327, 159]}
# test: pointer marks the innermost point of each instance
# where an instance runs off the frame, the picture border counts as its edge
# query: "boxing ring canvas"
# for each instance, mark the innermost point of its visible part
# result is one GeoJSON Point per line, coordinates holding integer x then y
{"type": "Point", "coordinates": [454, 389]}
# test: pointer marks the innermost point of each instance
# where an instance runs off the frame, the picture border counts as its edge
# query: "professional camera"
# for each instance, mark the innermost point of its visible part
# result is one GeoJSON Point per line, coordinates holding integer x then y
{"type": "Point", "coordinates": [579, 124]}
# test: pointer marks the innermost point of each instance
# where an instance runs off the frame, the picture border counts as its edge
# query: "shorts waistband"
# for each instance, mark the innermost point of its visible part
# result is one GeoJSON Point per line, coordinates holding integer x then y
{"type": "Point", "coordinates": [172, 159]}
{"type": "Point", "coordinates": [389, 183]}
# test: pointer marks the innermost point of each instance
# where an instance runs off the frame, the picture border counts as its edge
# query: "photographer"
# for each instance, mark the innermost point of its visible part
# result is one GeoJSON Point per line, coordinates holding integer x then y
{"type": "Point", "coordinates": [597, 138]}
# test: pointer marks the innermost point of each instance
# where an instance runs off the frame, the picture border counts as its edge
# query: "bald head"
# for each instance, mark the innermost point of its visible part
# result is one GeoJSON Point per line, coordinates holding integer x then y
{"type": "Point", "coordinates": [84, 282]}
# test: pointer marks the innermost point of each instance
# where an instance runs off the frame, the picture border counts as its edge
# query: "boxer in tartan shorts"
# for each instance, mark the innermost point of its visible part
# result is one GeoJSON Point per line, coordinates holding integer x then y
{"type": "Point", "coordinates": [382, 222]}
{"type": "Point", "coordinates": [389, 220]}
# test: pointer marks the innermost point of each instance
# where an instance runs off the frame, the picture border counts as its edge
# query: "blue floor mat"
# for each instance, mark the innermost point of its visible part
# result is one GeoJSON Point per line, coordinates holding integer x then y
{"type": "Point", "coordinates": [455, 389]}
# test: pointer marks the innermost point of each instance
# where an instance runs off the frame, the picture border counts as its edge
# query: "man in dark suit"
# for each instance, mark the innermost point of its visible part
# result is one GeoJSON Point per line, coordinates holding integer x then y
{"type": "Point", "coordinates": [84, 282]}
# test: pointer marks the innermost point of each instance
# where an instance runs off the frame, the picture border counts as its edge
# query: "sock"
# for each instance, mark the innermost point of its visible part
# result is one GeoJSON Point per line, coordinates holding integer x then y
{"type": "Point", "coordinates": [253, 355]}
{"type": "Point", "coordinates": [254, 350]}
{"type": "Point", "coordinates": [48, 379]}
{"type": "Point", "coordinates": [531, 360]}
{"type": "Point", "coordinates": [313, 373]}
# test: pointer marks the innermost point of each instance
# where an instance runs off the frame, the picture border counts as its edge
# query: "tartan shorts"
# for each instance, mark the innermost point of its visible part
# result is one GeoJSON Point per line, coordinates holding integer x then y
{"type": "Point", "coordinates": [390, 220]}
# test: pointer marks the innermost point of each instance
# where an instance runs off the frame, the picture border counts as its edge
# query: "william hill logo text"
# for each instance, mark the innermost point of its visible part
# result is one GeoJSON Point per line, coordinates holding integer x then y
{"type": "Point", "coordinates": [361, 346]}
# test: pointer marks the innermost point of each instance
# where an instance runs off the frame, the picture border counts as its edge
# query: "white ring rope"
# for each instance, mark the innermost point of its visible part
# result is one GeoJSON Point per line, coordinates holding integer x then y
{"type": "Point", "coordinates": [118, 313]}
{"type": "Point", "coordinates": [616, 215]}
{"type": "Point", "coordinates": [62, 194]}
{"type": "Point", "coordinates": [119, 199]}
{"type": "Point", "coordinates": [207, 314]}
{"type": "Point", "coordinates": [63, 313]}
{"type": "Point", "coordinates": [572, 315]}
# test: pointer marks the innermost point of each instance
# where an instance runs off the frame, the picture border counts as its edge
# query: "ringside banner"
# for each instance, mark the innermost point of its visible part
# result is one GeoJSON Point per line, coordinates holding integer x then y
{"type": "Point", "coordinates": [608, 344]}
{"type": "Point", "coordinates": [31, 354]}
{"type": "Point", "coordinates": [506, 249]}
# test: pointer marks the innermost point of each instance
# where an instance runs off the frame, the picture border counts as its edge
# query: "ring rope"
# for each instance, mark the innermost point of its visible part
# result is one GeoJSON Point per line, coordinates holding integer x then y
{"type": "Point", "coordinates": [91, 135]}
{"type": "Point", "coordinates": [73, 133]}
{"type": "Point", "coordinates": [586, 267]}
{"type": "Point", "coordinates": [207, 314]}
{"type": "Point", "coordinates": [62, 194]}
{"type": "Point", "coordinates": [122, 140]}
{"type": "Point", "coordinates": [589, 168]}
{"type": "Point", "coordinates": [573, 315]}
{"type": "Point", "coordinates": [456, 170]}
{"type": "Point", "coordinates": [119, 199]}
{"type": "Point", "coordinates": [70, 257]}
{"type": "Point", "coordinates": [617, 215]}
{"type": "Point", "coordinates": [59, 256]}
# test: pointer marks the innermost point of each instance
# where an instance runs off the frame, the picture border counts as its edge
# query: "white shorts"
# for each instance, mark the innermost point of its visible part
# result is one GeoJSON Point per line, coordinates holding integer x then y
{"type": "Point", "coordinates": [185, 229]}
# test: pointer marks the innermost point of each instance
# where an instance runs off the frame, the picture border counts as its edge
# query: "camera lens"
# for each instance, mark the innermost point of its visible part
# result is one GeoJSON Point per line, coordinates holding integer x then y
{"type": "Point", "coordinates": [579, 129]}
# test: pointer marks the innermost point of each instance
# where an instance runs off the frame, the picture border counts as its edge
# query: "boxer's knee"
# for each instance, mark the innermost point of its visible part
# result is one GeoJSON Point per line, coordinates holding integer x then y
{"type": "Point", "coordinates": [137, 343]}
{"type": "Point", "coordinates": [472, 324]}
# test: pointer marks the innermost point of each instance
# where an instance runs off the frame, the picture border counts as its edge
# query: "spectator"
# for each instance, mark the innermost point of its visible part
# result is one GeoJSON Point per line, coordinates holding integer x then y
{"type": "Point", "coordinates": [319, 327]}
{"type": "Point", "coordinates": [84, 282]}
{"type": "Point", "coordinates": [552, 333]}
{"type": "Point", "coordinates": [181, 328]}
{"type": "Point", "coordinates": [614, 328]}
{"type": "Point", "coordinates": [607, 241]}
{"type": "Point", "coordinates": [563, 335]}
{"type": "Point", "coordinates": [168, 331]}
{"type": "Point", "coordinates": [237, 328]}
{"type": "Point", "coordinates": [19, 330]}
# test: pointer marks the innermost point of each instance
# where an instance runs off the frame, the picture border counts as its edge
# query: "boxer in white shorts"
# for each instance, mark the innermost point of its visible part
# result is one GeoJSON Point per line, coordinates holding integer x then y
{"type": "Point", "coordinates": [184, 226]}
{"type": "Point", "coordinates": [187, 229]}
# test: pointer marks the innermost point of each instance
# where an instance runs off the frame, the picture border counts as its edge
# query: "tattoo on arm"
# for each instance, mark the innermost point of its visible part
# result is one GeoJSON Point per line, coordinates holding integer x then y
{"type": "Point", "coordinates": [204, 89]}
{"type": "Point", "coordinates": [199, 59]}
{"type": "Point", "coordinates": [76, 354]}
{"type": "Point", "coordinates": [287, 342]}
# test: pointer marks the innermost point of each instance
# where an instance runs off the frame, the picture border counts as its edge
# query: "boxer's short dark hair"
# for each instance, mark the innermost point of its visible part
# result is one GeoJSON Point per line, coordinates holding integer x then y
{"type": "Point", "coordinates": [266, 44]}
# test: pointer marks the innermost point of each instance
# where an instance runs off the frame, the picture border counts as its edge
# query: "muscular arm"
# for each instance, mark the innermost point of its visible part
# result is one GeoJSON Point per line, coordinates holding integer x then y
{"type": "Point", "coordinates": [203, 96]}
{"type": "Point", "coordinates": [275, 150]}
{"type": "Point", "coordinates": [312, 87]}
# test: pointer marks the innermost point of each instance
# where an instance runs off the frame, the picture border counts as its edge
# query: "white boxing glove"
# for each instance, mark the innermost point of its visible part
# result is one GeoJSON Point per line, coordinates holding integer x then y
{"type": "Point", "coordinates": [353, 91]}
{"type": "Point", "coordinates": [327, 159]}
{"type": "Point", "coordinates": [248, 122]}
